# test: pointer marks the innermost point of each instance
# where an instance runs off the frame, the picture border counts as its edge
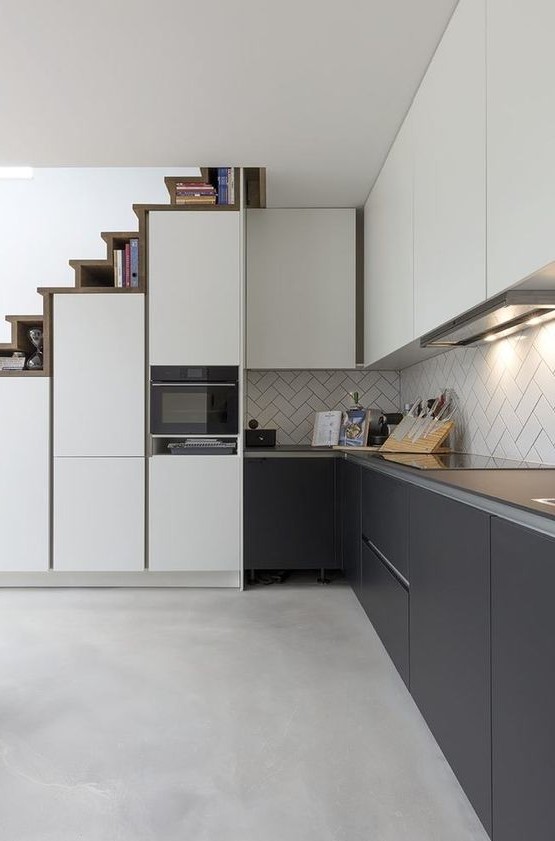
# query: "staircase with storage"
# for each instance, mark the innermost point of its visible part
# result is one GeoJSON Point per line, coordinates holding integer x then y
{"type": "Point", "coordinates": [74, 432]}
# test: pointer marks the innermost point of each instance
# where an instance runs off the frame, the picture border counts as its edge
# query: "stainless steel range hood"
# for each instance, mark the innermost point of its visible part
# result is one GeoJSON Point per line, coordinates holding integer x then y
{"type": "Point", "coordinates": [496, 318]}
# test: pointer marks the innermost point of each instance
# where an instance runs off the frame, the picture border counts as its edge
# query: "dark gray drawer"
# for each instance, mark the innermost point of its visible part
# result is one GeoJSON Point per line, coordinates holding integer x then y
{"type": "Point", "coordinates": [386, 602]}
{"type": "Point", "coordinates": [385, 517]}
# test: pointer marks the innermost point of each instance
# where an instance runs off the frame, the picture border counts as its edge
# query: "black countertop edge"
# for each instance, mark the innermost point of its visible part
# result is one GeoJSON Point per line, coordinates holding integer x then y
{"type": "Point", "coordinates": [498, 492]}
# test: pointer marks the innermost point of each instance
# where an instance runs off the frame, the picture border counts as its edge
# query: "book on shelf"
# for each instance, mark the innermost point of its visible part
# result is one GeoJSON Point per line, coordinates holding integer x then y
{"type": "Point", "coordinates": [118, 268]}
{"type": "Point", "coordinates": [195, 200]}
{"type": "Point", "coordinates": [127, 266]}
{"type": "Point", "coordinates": [134, 262]}
{"type": "Point", "coordinates": [12, 363]}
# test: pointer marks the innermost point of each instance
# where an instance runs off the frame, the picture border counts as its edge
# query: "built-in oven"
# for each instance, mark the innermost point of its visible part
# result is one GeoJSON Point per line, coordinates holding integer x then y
{"type": "Point", "coordinates": [194, 400]}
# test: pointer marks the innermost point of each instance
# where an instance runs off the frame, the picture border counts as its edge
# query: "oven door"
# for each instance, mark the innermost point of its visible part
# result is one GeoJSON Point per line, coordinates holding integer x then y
{"type": "Point", "coordinates": [194, 409]}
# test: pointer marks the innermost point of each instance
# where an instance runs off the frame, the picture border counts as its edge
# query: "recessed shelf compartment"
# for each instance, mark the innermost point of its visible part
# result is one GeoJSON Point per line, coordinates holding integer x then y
{"type": "Point", "coordinates": [20, 326]}
{"type": "Point", "coordinates": [194, 445]}
{"type": "Point", "coordinates": [209, 175]}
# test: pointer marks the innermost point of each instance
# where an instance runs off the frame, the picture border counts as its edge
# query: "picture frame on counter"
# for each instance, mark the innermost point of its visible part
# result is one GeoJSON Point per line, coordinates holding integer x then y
{"type": "Point", "coordinates": [354, 427]}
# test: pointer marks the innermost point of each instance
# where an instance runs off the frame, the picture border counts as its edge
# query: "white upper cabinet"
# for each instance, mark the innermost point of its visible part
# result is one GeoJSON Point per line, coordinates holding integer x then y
{"type": "Point", "coordinates": [301, 283]}
{"type": "Point", "coordinates": [194, 285]}
{"type": "Point", "coordinates": [99, 375]}
{"type": "Point", "coordinates": [449, 178]}
{"type": "Point", "coordinates": [388, 253]}
{"type": "Point", "coordinates": [24, 474]}
{"type": "Point", "coordinates": [521, 131]}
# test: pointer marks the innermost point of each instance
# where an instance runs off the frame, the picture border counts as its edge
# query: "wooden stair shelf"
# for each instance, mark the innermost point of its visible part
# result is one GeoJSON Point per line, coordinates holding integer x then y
{"type": "Point", "coordinates": [208, 175]}
{"type": "Point", "coordinates": [97, 276]}
{"type": "Point", "coordinates": [20, 342]}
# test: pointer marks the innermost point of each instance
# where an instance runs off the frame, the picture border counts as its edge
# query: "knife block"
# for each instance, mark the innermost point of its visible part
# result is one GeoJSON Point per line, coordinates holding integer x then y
{"type": "Point", "coordinates": [429, 443]}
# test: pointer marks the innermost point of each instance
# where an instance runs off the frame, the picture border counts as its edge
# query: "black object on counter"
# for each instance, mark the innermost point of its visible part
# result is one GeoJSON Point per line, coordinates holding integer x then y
{"type": "Point", "coordinates": [260, 437]}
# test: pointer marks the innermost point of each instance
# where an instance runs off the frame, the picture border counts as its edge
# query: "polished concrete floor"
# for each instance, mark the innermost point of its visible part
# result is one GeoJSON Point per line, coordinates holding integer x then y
{"type": "Point", "coordinates": [272, 715]}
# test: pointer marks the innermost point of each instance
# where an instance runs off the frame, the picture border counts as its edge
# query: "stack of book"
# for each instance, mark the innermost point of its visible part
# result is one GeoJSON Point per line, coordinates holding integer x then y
{"type": "Point", "coordinates": [226, 184]}
{"type": "Point", "coordinates": [194, 192]}
{"type": "Point", "coordinates": [126, 265]}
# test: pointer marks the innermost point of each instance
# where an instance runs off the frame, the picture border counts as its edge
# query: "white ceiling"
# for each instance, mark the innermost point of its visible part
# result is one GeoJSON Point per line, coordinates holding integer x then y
{"type": "Point", "coordinates": [315, 90]}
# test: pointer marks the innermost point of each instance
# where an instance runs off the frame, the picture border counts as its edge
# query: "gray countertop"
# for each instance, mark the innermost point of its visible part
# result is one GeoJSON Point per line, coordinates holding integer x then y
{"type": "Point", "coordinates": [504, 493]}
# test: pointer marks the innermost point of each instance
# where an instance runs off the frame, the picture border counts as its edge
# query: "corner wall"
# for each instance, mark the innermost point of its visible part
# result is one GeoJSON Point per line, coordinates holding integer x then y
{"type": "Point", "coordinates": [505, 392]}
{"type": "Point", "coordinates": [287, 400]}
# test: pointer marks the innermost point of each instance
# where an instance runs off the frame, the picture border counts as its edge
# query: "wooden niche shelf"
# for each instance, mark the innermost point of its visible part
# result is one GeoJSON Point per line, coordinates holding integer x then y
{"type": "Point", "coordinates": [21, 324]}
{"type": "Point", "coordinates": [210, 176]}
{"type": "Point", "coordinates": [255, 186]}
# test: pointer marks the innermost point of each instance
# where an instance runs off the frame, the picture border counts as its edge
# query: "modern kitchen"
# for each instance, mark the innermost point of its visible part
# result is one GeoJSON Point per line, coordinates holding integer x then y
{"type": "Point", "coordinates": [277, 498]}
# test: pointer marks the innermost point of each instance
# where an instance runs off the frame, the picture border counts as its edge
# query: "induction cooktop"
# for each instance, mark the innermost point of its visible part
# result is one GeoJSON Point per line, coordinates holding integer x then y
{"type": "Point", "coordinates": [460, 461]}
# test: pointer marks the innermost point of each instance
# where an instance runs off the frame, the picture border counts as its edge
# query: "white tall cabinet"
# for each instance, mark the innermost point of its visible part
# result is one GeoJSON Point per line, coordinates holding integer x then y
{"type": "Point", "coordinates": [449, 115]}
{"type": "Point", "coordinates": [195, 504]}
{"type": "Point", "coordinates": [194, 280]}
{"type": "Point", "coordinates": [24, 474]}
{"type": "Point", "coordinates": [388, 252]}
{"type": "Point", "coordinates": [521, 128]}
{"type": "Point", "coordinates": [195, 318]}
{"type": "Point", "coordinates": [301, 283]}
{"type": "Point", "coordinates": [99, 375]}
{"type": "Point", "coordinates": [98, 435]}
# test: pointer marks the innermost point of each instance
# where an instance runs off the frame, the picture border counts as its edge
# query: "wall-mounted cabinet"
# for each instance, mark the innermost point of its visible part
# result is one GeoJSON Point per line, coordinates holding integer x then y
{"type": "Point", "coordinates": [24, 473]}
{"type": "Point", "coordinates": [99, 384]}
{"type": "Point", "coordinates": [425, 219]}
{"type": "Point", "coordinates": [521, 125]}
{"type": "Point", "coordinates": [388, 253]}
{"type": "Point", "coordinates": [449, 116]}
{"type": "Point", "coordinates": [301, 284]}
{"type": "Point", "coordinates": [194, 286]}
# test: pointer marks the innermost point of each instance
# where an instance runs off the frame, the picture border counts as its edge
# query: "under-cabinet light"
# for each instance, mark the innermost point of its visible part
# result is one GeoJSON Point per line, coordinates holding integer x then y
{"type": "Point", "coordinates": [16, 172]}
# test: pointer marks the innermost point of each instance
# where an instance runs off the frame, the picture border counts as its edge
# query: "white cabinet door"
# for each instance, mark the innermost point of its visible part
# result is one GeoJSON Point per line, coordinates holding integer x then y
{"type": "Point", "coordinates": [301, 288]}
{"type": "Point", "coordinates": [99, 375]}
{"type": "Point", "coordinates": [99, 506]}
{"type": "Point", "coordinates": [388, 253]}
{"type": "Point", "coordinates": [24, 474]}
{"type": "Point", "coordinates": [521, 128]}
{"type": "Point", "coordinates": [194, 513]}
{"type": "Point", "coordinates": [194, 286]}
{"type": "Point", "coordinates": [450, 180]}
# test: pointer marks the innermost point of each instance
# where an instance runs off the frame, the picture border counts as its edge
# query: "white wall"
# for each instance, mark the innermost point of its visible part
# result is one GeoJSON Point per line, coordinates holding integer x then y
{"type": "Point", "coordinates": [58, 216]}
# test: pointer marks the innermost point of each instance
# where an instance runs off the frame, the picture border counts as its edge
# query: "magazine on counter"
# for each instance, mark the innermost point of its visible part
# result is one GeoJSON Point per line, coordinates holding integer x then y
{"type": "Point", "coordinates": [354, 428]}
{"type": "Point", "coordinates": [326, 429]}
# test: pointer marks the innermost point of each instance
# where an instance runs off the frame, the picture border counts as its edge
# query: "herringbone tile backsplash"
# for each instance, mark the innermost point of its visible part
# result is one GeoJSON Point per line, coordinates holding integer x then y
{"type": "Point", "coordinates": [505, 392]}
{"type": "Point", "coordinates": [287, 400]}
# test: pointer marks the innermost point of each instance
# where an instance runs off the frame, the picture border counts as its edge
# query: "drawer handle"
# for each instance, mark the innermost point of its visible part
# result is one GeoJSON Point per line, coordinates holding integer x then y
{"type": "Point", "coordinates": [389, 566]}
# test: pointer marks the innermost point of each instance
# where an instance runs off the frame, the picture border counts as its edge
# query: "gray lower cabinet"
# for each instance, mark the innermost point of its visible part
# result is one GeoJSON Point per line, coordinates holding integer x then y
{"type": "Point", "coordinates": [450, 636]}
{"type": "Point", "coordinates": [523, 683]}
{"type": "Point", "coordinates": [386, 602]}
{"type": "Point", "coordinates": [289, 513]}
{"type": "Point", "coordinates": [385, 515]}
{"type": "Point", "coordinates": [349, 505]}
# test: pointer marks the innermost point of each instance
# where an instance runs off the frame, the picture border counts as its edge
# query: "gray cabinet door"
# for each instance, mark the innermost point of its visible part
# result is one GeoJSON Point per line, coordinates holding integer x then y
{"type": "Point", "coordinates": [289, 513]}
{"type": "Point", "coordinates": [385, 517]}
{"type": "Point", "coordinates": [386, 602]}
{"type": "Point", "coordinates": [523, 683]}
{"type": "Point", "coordinates": [349, 499]}
{"type": "Point", "coordinates": [450, 636]}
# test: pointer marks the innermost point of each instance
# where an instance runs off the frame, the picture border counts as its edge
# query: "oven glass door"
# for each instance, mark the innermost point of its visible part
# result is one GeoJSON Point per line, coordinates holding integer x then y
{"type": "Point", "coordinates": [195, 409]}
